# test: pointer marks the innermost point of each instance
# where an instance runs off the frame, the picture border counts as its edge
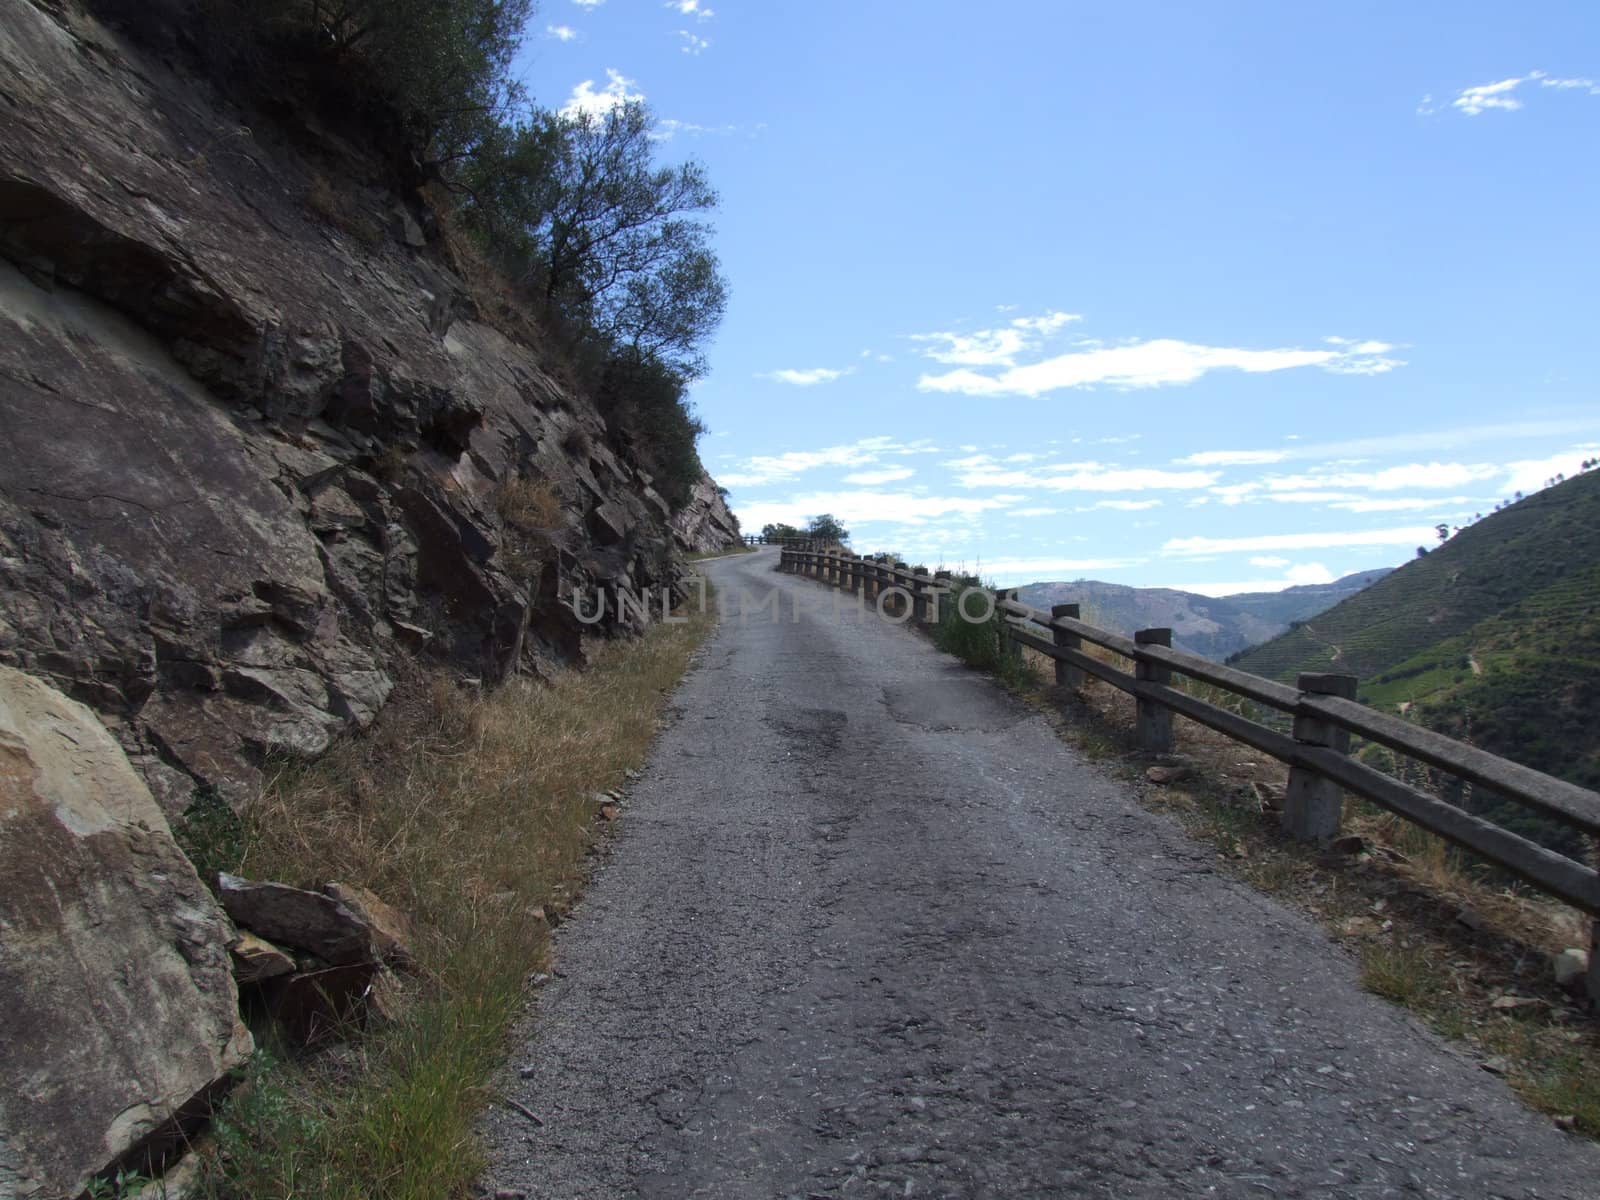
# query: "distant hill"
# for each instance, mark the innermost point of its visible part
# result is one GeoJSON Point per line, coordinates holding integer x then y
{"type": "Point", "coordinates": [1210, 626]}
{"type": "Point", "coordinates": [1493, 638]}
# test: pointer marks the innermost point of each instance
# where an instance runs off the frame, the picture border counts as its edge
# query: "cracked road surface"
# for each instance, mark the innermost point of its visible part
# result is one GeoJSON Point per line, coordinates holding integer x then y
{"type": "Point", "coordinates": [871, 929]}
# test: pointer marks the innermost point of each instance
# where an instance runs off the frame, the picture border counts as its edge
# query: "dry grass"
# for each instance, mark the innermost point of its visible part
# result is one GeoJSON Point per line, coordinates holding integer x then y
{"type": "Point", "coordinates": [531, 509]}
{"type": "Point", "coordinates": [491, 292]}
{"type": "Point", "coordinates": [320, 199]}
{"type": "Point", "coordinates": [475, 813]}
{"type": "Point", "coordinates": [1432, 930]}
{"type": "Point", "coordinates": [532, 505]}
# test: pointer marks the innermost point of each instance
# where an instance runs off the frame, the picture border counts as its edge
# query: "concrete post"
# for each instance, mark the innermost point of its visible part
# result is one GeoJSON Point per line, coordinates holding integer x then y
{"type": "Point", "coordinates": [1067, 675]}
{"type": "Point", "coordinates": [1154, 720]}
{"type": "Point", "coordinates": [1009, 648]}
{"type": "Point", "coordinates": [1313, 806]}
{"type": "Point", "coordinates": [941, 579]}
{"type": "Point", "coordinates": [919, 596]}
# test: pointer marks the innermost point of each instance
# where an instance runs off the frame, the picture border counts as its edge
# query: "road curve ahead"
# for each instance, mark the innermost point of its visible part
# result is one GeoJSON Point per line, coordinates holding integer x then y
{"type": "Point", "coordinates": [870, 929]}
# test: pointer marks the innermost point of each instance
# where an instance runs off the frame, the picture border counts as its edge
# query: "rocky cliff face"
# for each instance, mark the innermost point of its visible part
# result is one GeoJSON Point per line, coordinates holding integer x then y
{"type": "Point", "coordinates": [705, 523]}
{"type": "Point", "coordinates": [259, 439]}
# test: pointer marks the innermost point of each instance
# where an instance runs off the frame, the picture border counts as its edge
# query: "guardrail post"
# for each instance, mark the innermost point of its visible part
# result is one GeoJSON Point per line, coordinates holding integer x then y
{"type": "Point", "coordinates": [1067, 675]}
{"type": "Point", "coordinates": [941, 580]}
{"type": "Point", "coordinates": [919, 596]}
{"type": "Point", "coordinates": [895, 581]}
{"type": "Point", "coordinates": [1009, 648]}
{"type": "Point", "coordinates": [1154, 720]}
{"type": "Point", "coordinates": [1312, 805]}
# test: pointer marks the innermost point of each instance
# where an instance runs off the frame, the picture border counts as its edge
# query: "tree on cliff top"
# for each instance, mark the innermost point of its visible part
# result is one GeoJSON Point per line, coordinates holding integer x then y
{"type": "Point", "coordinates": [601, 233]}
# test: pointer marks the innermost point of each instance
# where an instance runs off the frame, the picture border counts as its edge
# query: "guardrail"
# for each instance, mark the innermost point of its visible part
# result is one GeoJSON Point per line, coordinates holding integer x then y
{"type": "Point", "coordinates": [1323, 707]}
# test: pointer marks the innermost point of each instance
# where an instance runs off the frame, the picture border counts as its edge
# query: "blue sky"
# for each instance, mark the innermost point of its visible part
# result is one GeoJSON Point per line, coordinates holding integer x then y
{"type": "Point", "coordinates": [1218, 296]}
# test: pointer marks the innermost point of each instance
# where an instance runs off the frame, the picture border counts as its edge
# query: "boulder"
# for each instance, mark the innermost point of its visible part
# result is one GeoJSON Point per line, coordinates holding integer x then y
{"type": "Point", "coordinates": [392, 932]}
{"type": "Point", "coordinates": [120, 1013]}
{"type": "Point", "coordinates": [292, 916]}
{"type": "Point", "coordinates": [256, 960]}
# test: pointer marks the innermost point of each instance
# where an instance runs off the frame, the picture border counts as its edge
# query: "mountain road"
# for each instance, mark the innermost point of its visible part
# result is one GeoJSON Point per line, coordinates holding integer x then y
{"type": "Point", "coordinates": [869, 928]}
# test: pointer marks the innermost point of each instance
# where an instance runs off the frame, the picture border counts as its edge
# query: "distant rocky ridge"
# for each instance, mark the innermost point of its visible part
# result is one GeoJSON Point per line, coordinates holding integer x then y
{"type": "Point", "coordinates": [1210, 626]}
{"type": "Point", "coordinates": [260, 457]}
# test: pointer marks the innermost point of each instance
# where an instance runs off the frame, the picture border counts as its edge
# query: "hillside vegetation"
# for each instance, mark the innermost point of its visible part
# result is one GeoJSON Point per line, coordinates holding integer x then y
{"type": "Point", "coordinates": [1493, 638]}
{"type": "Point", "coordinates": [1539, 543]}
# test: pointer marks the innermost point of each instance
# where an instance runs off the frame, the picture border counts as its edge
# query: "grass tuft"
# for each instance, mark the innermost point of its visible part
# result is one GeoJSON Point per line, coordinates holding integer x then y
{"type": "Point", "coordinates": [474, 813]}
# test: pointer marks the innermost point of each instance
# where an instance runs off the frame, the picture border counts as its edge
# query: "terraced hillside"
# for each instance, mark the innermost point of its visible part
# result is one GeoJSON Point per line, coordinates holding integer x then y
{"type": "Point", "coordinates": [1494, 639]}
{"type": "Point", "coordinates": [1540, 543]}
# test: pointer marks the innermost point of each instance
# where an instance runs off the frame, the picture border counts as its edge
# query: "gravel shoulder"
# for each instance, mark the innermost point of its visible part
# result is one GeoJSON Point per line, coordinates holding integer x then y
{"type": "Point", "coordinates": [870, 928]}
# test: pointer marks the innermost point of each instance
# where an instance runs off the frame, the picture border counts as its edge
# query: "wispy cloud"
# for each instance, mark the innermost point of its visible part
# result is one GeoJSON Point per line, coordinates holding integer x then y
{"type": "Point", "coordinates": [586, 99]}
{"type": "Point", "coordinates": [1503, 94]}
{"type": "Point", "coordinates": [1425, 441]}
{"type": "Point", "coordinates": [1232, 458]}
{"type": "Point", "coordinates": [588, 3]}
{"type": "Point", "coordinates": [691, 8]}
{"type": "Point", "coordinates": [562, 33]}
{"type": "Point", "coordinates": [1410, 535]}
{"type": "Point", "coordinates": [807, 378]}
{"type": "Point", "coordinates": [980, 472]}
{"type": "Point", "coordinates": [1008, 572]}
{"type": "Point", "coordinates": [885, 475]}
{"type": "Point", "coordinates": [1293, 577]}
{"type": "Point", "coordinates": [993, 347]}
{"type": "Point", "coordinates": [907, 508]}
{"type": "Point", "coordinates": [1123, 505]}
{"type": "Point", "coordinates": [780, 468]}
{"type": "Point", "coordinates": [693, 44]}
{"type": "Point", "coordinates": [1389, 479]}
{"type": "Point", "coordinates": [1156, 363]}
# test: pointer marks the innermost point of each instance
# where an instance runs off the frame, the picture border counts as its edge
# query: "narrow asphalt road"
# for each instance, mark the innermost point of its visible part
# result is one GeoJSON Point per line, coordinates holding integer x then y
{"type": "Point", "coordinates": [870, 929]}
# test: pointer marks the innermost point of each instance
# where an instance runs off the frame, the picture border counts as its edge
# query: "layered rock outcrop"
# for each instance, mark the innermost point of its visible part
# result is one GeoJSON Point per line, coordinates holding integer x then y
{"type": "Point", "coordinates": [705, 522]}
{"type": "Point", "coordinates": [115, 981]}
{"type": "Point", "coordinates": [258, 434]}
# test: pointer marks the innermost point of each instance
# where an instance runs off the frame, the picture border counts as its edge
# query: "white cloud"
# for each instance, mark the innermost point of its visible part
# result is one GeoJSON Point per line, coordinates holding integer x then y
{"type": "Point", "coordinates": [1123, 505]}
{"type": "Point", "coordinates": [562, 33]}
{"type": "Point", "coordinates": [1529, 475]}
{"type": "Point", "coordinates": [1268, 561]}
{"type": "Point", "coordinates": [1010, 572]}
{"type": "Point", "coordinates": [691, 8]}
{"type": "Point", "coordinates": [994, 347]}
{"type": "Point", "coordinates": [907, 508]}
{"type": "Point", "coordinates": [692, 44]}
{"type": "Point", "coordinates": [1390, 479]}
{"type": "Point", "coordinates": [1086, 477]}
{"type": "Point", "coordinates": [1034, 512]}
{"type": "Point", "coordinates": [1430, 441]}
{"type": "Point", "coordinates": [886, 475]}
{"type": "Point", "coordinates": [1156, 363]}
{"type": "Point", "coordinates": [589, 3]}
{"type": "Point", "coordinates": [587, 101]}
{"type": "Point", "coordinates": [1396, 503]}
{"type": "Point", "coordinates": [1500, 95]}
{"type": "Point", "coordinates": [807, 378]}
{"type": "Point", "coordinates": [1409, 536]}
{"type": "Point", "coordinates": [670, 127]}
{"type": "Point", "coordinates": [1233, 458]}
{"type": "Point", "coordinates": [1294, 577]}
{"type": "Point", "coordinates": [775, 468]}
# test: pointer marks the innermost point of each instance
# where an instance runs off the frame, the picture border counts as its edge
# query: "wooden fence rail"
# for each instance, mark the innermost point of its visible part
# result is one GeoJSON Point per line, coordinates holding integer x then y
{"type": "Point", "coordinates": [1323, 709]}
